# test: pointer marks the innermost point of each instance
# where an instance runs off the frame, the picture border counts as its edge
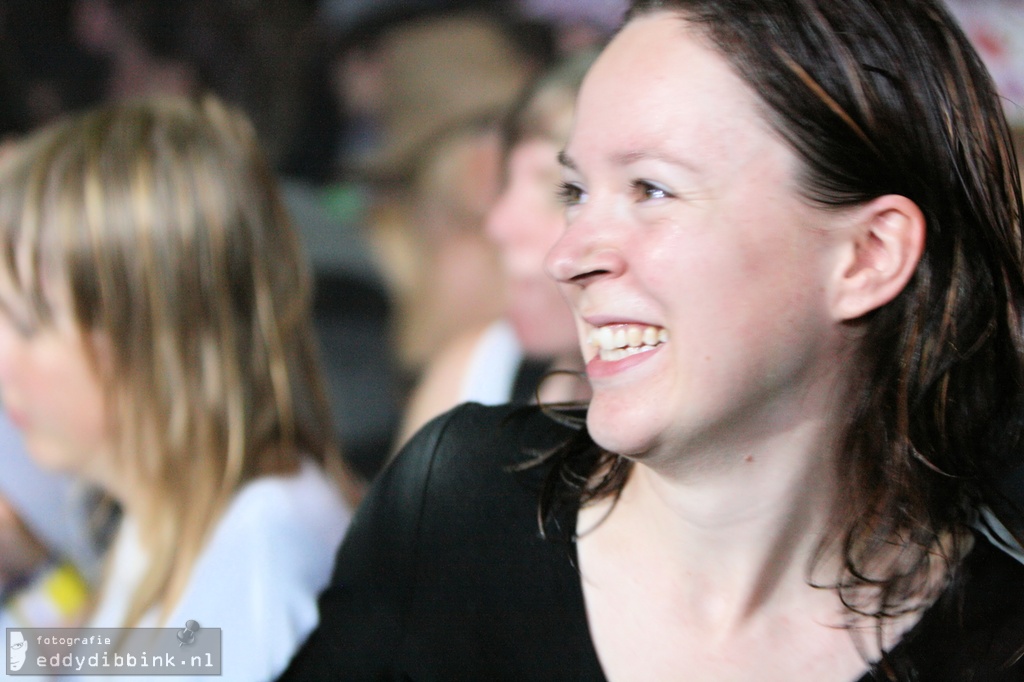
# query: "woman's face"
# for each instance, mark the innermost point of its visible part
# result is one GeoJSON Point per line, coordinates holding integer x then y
{"type": "Point", "coordinates": [525, 222]}
{"type": "Point", "coordinates": [51, 392]}
{"type": "Point", "coordinates": [697, 274]}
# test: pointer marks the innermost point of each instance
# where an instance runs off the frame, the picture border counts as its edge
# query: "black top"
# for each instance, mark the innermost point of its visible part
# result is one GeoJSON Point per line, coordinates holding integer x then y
{"type": "Point", "coordinates": [444, 576]}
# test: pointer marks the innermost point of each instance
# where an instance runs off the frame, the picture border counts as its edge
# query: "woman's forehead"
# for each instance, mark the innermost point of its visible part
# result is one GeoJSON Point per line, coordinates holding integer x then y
{"type": "Point", "coordinates": [661, 89]}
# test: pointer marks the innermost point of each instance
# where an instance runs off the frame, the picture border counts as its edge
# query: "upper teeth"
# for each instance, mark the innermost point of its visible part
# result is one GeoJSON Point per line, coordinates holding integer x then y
{"type": "Point", "coordinates": [614, 342]}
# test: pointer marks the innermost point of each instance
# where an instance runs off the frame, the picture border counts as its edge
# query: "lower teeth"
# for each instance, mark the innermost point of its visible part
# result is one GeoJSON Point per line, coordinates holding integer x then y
{"type": "Point", "coordinates": [614, 354]}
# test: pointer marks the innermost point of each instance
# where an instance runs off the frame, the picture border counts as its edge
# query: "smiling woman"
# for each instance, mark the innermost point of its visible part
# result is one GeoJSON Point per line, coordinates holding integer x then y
{"type": "Point", "coordinates": [794, 256]}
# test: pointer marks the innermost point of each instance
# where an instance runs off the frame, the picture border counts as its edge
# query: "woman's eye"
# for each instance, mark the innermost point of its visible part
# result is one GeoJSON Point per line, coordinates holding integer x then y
{"type": "Point", "coordinates": [571, 194]}
{"type": "Point", "coordinates": [646, 190]}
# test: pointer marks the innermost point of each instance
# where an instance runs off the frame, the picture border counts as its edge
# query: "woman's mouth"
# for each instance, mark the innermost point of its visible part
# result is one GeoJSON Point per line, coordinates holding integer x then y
{"type": "Point", "coordinates": [614, 342]}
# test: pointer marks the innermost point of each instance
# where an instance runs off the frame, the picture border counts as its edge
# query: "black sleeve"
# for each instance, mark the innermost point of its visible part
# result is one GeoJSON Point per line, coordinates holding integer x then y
{"type": "Point", "coordinates": [361, 610]}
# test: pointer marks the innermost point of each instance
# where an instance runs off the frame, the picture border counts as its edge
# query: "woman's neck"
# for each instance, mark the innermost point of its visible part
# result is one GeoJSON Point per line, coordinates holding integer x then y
{"type": "Point", "coordinates": [743, 528]}
{"type": "Point", "coordinates": [711, 573]}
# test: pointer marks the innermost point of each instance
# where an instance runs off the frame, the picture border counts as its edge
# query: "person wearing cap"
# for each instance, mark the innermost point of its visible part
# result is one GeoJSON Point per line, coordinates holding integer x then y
{"type": "Point", "coordinates": [441, 84]}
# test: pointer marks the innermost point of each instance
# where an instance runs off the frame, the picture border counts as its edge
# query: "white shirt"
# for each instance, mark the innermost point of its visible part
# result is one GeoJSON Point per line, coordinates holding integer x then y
{"type": "Point", "coordinates": [257, 578]}
{"type": "Point", "coordinates": [491, 374]}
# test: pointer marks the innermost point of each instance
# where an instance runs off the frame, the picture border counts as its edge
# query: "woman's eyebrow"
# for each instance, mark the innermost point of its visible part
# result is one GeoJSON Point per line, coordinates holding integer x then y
{"type": "Point", "coordinates": [626, 158]}
{"type": "Point", "coordinates": [566, 161]}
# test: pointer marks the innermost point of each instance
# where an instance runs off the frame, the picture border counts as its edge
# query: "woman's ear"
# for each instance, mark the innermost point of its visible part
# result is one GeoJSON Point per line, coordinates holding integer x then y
{"type": "Point", "coordinates": [884, 245]}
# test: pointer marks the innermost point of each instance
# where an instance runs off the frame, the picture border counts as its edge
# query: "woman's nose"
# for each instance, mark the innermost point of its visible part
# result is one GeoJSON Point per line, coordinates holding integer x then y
{"type": "Point", "coordinates": [587, 251]}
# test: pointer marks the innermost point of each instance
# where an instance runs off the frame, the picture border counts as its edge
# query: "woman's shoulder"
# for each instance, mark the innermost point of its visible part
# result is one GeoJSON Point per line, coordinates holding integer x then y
{"type": "Point", "coordinates": [306, 498]}
{"type": "Point", "coordinates": [276, 539]}
{"type": "Point", "coordinates": [283, 529]}
{"type": "Point", "coordinates": [471, 516]}
{"type": "Point", "coordinates": [274, 521]}
{"type": "Point", "coordinates": [514, 430]}
{"type": "Point", "coordinates": [479, 444]}
{"type": "Point", "coordinates": [267, 559]}
{"type": "Point", "coordinates": [444, 573]}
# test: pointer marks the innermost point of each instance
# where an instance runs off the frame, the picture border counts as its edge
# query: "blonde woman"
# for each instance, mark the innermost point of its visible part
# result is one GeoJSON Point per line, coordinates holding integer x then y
{"type": "Point", "coordinates": [155, 341]}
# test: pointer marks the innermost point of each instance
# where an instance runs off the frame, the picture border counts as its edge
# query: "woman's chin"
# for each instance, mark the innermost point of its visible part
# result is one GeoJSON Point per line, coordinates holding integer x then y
{"type": "Point", "coordinates": [614, 431]}
{"type": "Point", "coordinates": [49, 456]}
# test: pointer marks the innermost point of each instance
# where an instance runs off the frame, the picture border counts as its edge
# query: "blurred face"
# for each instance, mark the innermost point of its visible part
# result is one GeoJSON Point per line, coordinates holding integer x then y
{"type": "Point", "coordinates": [697, 275]}
{"type": "Point", "coordinates": [52, 393]}
{"type": "Point", "coordinates": [525, 222]}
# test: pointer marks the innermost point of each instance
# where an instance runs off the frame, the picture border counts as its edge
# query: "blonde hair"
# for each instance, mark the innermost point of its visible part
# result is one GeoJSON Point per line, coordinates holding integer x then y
{"type": "Point", "coordinates": [161, 223]}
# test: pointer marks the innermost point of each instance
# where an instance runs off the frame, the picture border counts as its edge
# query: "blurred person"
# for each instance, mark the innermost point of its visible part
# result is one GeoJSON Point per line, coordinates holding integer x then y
{"type": "Point", "coordinates": [531, 352]}
{"type": "Point", "coordinates": [441, 83]}
{"type": "Point", "coordinates": [155, 341]}
{"type": "Point", "coordinates": [450, 262]}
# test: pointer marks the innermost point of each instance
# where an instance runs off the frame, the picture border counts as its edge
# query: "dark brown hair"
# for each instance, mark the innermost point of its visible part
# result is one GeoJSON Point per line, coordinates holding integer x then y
{"type": "Point", "coordinates": [884, 97]}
